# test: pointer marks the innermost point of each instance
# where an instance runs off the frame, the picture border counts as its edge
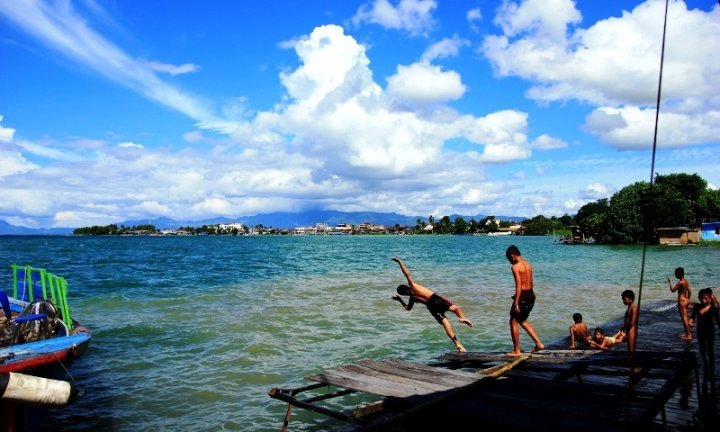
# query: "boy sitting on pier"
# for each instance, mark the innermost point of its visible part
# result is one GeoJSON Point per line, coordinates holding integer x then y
{"type": "Point", "coordinates": [436, 304]}
{"type": "Point", "coordinates": [578, 333]}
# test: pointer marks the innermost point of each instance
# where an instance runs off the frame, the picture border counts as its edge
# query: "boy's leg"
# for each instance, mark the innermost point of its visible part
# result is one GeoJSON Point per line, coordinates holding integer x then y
{"type": "Point", "coordinates": [451, 334]}
{"type": "Point", "coordinates": [457, 311]}
{"type": "Point", "coordinates": [515, 336]}
{"type": "Point", "coordinates": [531, 331]}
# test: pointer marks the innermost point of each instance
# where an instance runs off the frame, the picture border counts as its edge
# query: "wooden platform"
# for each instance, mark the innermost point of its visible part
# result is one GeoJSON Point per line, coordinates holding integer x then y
{"type": "Point", "coordinates": [656, 388]}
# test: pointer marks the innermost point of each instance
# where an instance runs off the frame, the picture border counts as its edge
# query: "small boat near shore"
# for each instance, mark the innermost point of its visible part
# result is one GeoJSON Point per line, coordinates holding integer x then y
{"type": "Point", "coordinates": [38, 338]}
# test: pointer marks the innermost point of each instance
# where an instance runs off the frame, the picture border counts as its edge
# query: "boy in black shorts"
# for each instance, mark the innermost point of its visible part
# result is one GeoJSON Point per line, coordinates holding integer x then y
{"type": "Point", "coordinates": [436, 304]}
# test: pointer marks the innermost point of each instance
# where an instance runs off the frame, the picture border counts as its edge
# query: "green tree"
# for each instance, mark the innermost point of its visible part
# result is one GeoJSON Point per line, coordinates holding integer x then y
{"type": "Point", "coordinates": [461, 226]}
{"type": "Point", "coordinates": [446, 225]}
{"type": "Point", "coordinates": [626, 221]}
{"type": "Point", "coordinates": [539, 225]}
{"type": "Point", "coordinates": [690, 188]}
{"type": "Point", "coordinates": [709, 205]}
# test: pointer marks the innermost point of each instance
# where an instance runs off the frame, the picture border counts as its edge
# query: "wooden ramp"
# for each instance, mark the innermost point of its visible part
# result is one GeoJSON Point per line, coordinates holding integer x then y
{"type": "Point", "coordinates": [403, 387]}
{"type": "Point", "coordinates": [560, 390]}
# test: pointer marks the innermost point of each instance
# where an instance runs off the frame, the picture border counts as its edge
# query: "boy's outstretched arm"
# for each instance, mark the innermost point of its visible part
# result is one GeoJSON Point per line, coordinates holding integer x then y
{"type": "Point", "coordinates": [407, 306]}
{"type": "Point", "coordinates": [404, 270]}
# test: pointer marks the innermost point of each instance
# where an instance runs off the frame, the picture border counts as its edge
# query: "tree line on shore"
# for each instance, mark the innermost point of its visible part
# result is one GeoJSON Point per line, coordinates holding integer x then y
{"type": "Point", "coordinates": [631, 215]}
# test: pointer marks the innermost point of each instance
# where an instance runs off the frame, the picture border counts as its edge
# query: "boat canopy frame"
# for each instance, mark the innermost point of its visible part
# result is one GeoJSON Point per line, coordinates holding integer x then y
{"type": "Point", "coordinates": [32, 284]}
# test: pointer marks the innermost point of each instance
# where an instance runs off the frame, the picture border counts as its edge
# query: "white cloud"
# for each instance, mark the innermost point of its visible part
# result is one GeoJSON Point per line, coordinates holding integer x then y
{"type": "Point", "coordinates": [586, 64]}
{"type": "Point", "coordinates": [14, 163]}
{"type": "Point", "coordinates": [412, 16]}
{"type": "Point", "coordinates": [596, 191]}
{"type": "Point", "coordinates": [6, 134]}
{"type": "Point", "coordinates": [424, 83]}
{"type": "Point", "coordinates": [633, 127]}
{"type": "Point", "coordinates": [448, 47]}
{"type": "Point", "coordinates": [76, 219]}
{"type": "Point", "coordinates": [170, 69]}
{"type": "Point", "coordinates": [58, 26]}
{"type": "Point", "coordinates": [473, 16]}
{"type": "Point", "coordinates": [546, 142]}
{"type": "Point", "coordinates": [194, 137]}
{"type": "Point", "coordinates": [129, 145]}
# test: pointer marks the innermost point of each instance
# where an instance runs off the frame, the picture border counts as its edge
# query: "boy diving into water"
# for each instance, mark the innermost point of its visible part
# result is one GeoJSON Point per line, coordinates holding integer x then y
{"type": "Point", "coordinates": [436, 304]}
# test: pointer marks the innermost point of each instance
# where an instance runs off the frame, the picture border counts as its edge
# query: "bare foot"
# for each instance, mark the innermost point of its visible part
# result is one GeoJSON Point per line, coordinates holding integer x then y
{"type": "Point", "coordinates": [538, 348]}
{"type": "Point", "coordinates": [514, 354]}
{"type": "Point", "coordinates": [466, 321]}
{"type": "Point", "coordinates": [685, 337]}
{"type": "Point", "coordinates": [461, 348]}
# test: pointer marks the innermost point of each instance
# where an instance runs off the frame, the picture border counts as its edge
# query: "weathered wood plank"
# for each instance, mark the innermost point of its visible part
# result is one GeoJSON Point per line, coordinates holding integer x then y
{"type": "Point", "coordinates": [408, 380]}
{"type": "Point", "coordinates": [444, 377]}
{"type": "Point", "coordinates": [368, 384]}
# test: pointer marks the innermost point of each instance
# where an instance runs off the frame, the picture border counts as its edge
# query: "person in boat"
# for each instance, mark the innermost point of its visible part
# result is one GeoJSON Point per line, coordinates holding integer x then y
{"type": "Point", "coordinates": [600, 341]}
{"type": "Point", "coordinates": [579, 334]}
{"type": "Point", "coordinates": [436, 304]}
{"type": "Point", "coordinates": [682, 287]}
{"type": "Point", "coordinates": [706, 312]}
{"type": "Point", "coordinates": [523, 300]}
{"type": "Point", "coordinates": [632, 315]}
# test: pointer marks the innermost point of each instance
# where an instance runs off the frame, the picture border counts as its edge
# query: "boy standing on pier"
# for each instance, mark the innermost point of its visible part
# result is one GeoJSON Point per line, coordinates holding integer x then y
{"type": "Point", "coordinates": [631, 318]}
{"type": "Point", "coordinates": [523, 300]}
{"type": "Point", "coordinates": [436, 304]}
{"type": "Point", "coordinates": [683, 300]}
{"type": "Point", "coordinates": [706, 312]}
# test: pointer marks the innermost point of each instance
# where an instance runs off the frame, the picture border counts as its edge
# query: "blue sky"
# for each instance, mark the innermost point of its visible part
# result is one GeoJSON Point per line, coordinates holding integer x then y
{"type": "Point", "coordinates": [124, 110]}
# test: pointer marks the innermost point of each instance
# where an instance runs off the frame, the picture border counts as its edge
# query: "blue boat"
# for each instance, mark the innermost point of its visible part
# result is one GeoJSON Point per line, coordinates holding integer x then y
{"type": "Point", "coordinates": [38, 338]}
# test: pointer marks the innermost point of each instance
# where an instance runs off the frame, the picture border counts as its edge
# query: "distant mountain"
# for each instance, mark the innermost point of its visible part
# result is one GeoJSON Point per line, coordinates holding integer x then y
{"type": "Point", "coordinates": [274, 220]}
{"type": "Point", "coordinates": [7, 229]}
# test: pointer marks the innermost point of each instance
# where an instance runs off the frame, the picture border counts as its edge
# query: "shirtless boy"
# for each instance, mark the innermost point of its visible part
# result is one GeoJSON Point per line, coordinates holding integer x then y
{"type": "Point", "coordinates": [600, 341]}
{"type": "Point", "coordinates": [436, 304]}
{"type": "Point", "coordinates": [631, 318]}
{"type": "Point", "coordinates": [523, 300]}
{"type": "Point", "coordinates": [682, 287]}
{"type": "Point", "coordinates": [578, 333]}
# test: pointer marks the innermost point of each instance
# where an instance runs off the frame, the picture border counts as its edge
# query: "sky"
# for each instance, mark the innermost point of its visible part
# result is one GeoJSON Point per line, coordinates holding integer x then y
{"type": "Point", "coordinates": [126, 110]}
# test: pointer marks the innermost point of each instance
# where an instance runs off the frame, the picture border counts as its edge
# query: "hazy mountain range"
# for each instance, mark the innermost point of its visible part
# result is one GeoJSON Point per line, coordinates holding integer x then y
{"type": "Point", "coordinates": [275, 220]}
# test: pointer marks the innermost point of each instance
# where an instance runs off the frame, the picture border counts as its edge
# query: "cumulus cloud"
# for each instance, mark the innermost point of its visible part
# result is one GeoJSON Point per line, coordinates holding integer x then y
{"type": "Point", "coordinates": [14, 163]}
{"type": "Point", "coordinates": [412, 16]}
{"type": "Point", "coordinates": [424, 83]}
{"type": "Point", "coordinates": [543, 43]}
{"type": "Point", "coordinates": [546, 142]}
{"type": "Point", "coordinates": [596, 191]}
{"type": "Point", "coordinates": [6, 134]}
{"type": "Point", "coordinates": [473, 17]}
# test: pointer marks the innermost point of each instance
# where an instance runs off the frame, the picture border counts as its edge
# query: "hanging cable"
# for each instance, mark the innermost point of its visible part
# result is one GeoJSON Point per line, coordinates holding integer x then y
{"type": "Point", "coordinates": [654, 151]}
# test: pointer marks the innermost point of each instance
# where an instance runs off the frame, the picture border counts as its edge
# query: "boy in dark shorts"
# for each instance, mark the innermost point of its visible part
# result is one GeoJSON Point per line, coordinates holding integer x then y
{"type": "Point", "coordinates": [436, 304]}
{"type": "Point", "coordinates": [523, 300]}
{"type": "Point", "coordinates": [630, 322]}
{"type": "Point", "coordinates": [706, 312]}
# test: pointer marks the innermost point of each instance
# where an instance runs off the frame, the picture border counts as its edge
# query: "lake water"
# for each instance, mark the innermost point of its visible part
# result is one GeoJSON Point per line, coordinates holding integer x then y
{"type": "Point", "coordinates": [190, 333]}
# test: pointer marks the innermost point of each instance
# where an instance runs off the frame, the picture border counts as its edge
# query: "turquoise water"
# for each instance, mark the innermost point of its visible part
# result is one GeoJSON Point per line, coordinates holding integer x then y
{"type": "Point", "coordinates": [190, 333]}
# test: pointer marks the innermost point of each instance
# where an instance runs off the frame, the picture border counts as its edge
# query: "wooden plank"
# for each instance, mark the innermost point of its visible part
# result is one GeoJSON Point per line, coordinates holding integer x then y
{"type": "Point", "coordinates": [392, 378]}
{"type": "Point", "coordinates": [368, 384]}
{"type": "Point", "coordinates": [435, 375]}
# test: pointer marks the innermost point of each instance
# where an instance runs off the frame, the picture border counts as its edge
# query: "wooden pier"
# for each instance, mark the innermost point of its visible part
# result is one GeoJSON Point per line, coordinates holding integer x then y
{"type": "Point", "coordinates": [659, 387]}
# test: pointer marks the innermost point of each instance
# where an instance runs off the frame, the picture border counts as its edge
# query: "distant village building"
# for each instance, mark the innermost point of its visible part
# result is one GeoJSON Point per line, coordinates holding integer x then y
{"type": "Point", "coordinates": [710, 231]}
{"type": "Point", "coordinates": [678, 235]}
